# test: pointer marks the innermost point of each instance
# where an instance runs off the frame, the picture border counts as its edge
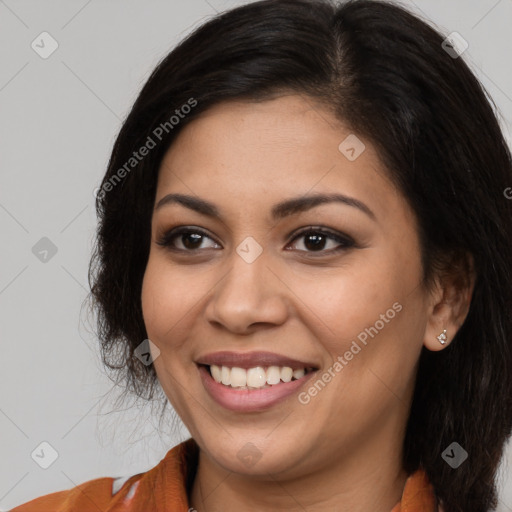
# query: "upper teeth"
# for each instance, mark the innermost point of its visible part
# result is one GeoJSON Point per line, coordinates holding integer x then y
{"type": "Point", "coordinates": [257, 377]}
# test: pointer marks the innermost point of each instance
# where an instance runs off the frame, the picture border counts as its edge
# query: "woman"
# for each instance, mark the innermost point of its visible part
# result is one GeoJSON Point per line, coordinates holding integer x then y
{"type": "Point", "coordinates": [304, 240]}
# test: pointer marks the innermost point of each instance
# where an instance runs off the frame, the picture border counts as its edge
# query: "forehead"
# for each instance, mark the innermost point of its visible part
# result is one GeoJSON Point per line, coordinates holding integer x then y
{"type": "Point", "coordinates": [260, 152]}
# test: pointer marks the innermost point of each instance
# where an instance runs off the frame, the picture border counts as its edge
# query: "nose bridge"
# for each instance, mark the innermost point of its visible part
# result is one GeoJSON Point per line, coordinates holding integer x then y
{"type": "Point", "coordinates": [249, 293]}
{"type": "Point", "coordinates": [247, 282]}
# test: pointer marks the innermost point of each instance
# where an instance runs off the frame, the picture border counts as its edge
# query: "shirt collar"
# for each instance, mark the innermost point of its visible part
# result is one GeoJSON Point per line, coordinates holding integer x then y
{"type": "Point", "coordinates": [180, 465]}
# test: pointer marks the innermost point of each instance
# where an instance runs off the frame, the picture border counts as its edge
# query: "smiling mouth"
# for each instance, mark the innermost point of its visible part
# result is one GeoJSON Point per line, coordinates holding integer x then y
{"type": "Point", "coordinates": [258, 377]}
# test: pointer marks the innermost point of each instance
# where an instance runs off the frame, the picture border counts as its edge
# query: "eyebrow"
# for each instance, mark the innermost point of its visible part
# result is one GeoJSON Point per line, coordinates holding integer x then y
{"type": "Point", "coordinates": [279, 211]}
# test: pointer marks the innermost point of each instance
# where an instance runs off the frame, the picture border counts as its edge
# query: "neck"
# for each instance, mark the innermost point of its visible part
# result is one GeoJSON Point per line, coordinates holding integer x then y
{"type": "Point", "coordinates": [368, 483]}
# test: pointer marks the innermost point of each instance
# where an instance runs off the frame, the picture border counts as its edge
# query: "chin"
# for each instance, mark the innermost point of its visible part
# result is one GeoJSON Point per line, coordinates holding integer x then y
{"type": "Point", "coordinates": [257, 456]}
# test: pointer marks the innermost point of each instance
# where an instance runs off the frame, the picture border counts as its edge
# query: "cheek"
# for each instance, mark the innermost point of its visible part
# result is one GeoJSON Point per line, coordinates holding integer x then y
{"type": "Point", "coordinates": [380, 321]}
{"type": "Point", "coordinates": [347, 302]}
{"type": "Point", "coordinates": [171, 298]}
{"type": "Point", "coordinates": [372, 315]}
{"type": "Point", "coordinates": [163, 300]}
{"type": "Point", "coordinates": [163, 305]}
{"type": "Point", "coordinates": [151, 299]}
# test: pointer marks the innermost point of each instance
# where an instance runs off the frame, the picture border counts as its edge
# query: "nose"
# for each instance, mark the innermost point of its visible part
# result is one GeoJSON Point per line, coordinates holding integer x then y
{"type": "Point", "coordinates": [248, 297]}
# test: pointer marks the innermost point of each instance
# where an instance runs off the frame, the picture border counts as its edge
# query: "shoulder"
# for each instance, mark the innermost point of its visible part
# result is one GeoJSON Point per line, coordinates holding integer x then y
{"type": "Point", "coordinates": [100, 494]}
{"type": "Point", "coordinates": [166, 483]}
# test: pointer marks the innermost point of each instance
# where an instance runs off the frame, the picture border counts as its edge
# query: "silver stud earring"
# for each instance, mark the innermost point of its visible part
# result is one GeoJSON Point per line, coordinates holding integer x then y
{"type": "Point", "coordinates": [442, 337]}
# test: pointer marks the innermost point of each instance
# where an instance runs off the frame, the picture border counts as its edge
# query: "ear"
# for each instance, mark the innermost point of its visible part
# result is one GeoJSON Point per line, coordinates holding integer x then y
{"type": "Point", "coordinates": [450, 299]}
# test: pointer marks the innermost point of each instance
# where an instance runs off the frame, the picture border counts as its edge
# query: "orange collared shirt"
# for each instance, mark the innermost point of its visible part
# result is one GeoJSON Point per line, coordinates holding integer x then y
{"type": "Point", "coordinates": [165, 488]}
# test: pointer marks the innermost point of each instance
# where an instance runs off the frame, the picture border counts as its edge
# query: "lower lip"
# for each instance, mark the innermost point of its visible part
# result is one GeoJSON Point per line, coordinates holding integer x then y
{"type": "Point", "coordinates": [250, 400]}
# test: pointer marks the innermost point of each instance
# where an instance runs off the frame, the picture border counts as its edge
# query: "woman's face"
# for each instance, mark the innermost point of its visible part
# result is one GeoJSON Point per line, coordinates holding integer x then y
{"type": "Point", "coordinates": [345, 299]}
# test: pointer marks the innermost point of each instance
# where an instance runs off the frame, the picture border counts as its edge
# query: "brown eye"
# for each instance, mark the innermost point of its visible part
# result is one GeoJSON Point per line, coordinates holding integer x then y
{"type": "Point", "coordinates": [315, 240]}
{"type": "Point", "coordinates": [190, 239]}
{"type": "Point", "coordinates": [186, 239]}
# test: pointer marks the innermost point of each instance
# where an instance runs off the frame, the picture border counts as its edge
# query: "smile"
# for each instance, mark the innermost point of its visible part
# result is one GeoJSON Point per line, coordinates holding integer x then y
{"type": "Point", "coordinates": [246, 399]}
{"type": "Point", "coordinates": [255, 378]}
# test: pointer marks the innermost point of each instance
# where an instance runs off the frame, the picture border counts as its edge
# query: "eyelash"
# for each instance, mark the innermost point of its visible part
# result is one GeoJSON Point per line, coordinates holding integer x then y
{"type": "Point", "coordinates": [344, 241]}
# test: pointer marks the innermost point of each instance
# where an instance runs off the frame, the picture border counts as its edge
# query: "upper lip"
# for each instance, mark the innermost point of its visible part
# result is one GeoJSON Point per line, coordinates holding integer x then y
{"type": "Point", "coordinates": [251, 360]}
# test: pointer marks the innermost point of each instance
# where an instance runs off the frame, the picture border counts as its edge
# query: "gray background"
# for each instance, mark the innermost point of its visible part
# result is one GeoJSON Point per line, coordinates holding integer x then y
{"type": "Point", "coordinates": [58, 120]}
